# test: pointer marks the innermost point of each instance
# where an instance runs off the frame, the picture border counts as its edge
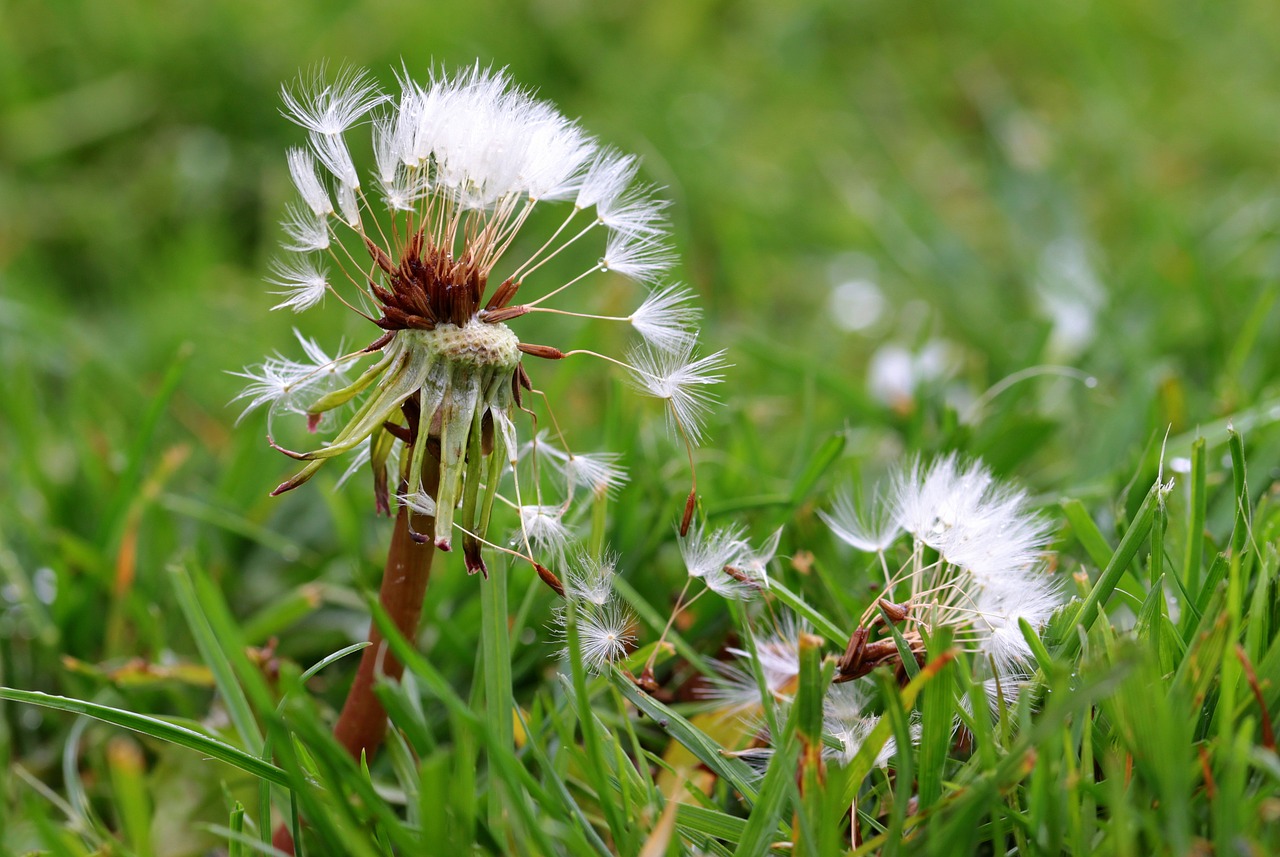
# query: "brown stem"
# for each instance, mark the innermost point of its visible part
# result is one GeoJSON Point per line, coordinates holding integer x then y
{"type": "Point", "coordinates": [363, 722]}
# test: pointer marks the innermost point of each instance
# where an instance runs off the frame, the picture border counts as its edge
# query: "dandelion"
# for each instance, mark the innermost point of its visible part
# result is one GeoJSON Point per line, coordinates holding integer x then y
{"type": "Point", "coordinates": [977, 565]}
{"type": "Point", "coordinates": [466, 171]}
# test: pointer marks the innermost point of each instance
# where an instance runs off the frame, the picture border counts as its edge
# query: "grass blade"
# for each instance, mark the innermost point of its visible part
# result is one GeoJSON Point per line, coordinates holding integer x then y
{"type": "Point", "coordinates": [155, 728]}
{"type": "Point", "coordinates": [210, 645]}
{"type": "Point", "coordinates": [1087, 613]}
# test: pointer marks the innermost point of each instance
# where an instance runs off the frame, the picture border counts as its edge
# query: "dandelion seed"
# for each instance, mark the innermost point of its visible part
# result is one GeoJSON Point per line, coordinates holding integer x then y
{"type": "Point", "coordinates": [302, 281]}
{"type": "Point", "coordinates": [870, 529]}
{"type": "Point", "coordinates": [331, 108]}
{"type": "Point", "coordinates": [639, 258]}
{"type": "Point", "coordinates": [604, 624]}
{"type": "Point", "coordinates": [634, 213]}
{"type": "Point", "coordinates": [778, 661]}
{"type": "Point", "coordinates": [271, 382]}
{"type": "Point", "coordinates": [681, 380]}
{"type": "Point", "coordinates": [666, 320]}
{"type": "Point", "coordinates": [604, 635]}
{"type": "Point", "coordinates": [286, 384]}
{"type": "Point", "coordinates": [960, 510]}
{"type": "Point", "coordinates": [590, 579]}
{"type": "Point", "coordinates": [706, 552]}
{"type": "Point", "coordinates": [544, 526]}
{"type": "Point", "coordinates": [307, 231]}
{"type": "Point", "coordinates": [331, 150]}
{"type": "Point", "coordinates": [418, 503]}
{"type": "Point", "coordinates": [598, 472]}
{"type": "Point", "coordinates": [747, 574]}
{"type": "Point", "coordinates": [845, 720]}
{"type": "Point", "coordinates": [607, 178]}
{"type": "Point", "coordinates": [302, 166]}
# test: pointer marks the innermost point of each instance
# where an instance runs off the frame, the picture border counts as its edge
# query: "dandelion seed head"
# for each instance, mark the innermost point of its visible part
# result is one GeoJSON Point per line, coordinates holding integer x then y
{"type": "Point", "coordinates": [989, 572]}
{"type": "Point", "coordinates": [458, 164]}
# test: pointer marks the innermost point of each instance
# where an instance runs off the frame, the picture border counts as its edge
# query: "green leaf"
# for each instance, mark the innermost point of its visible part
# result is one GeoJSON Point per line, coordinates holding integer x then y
{"type": "Point", "coordinates": [1195, 524]}
{"type": "Point", "coordinates": [1087, 533]}
{"type": "Point", "coordinates": [777, 790]}
{"type": "Point", "coordinates": [155, 728]}
{"type": "Point", "coordinates": [1087, 613]}
{"type": "Point", "coordinates": [936, 709]}
{"type": "Point", "coordinates": [820, 623]}
{"type": "Point", "coordinates": [210, 645]}
{"type": "Point", "coordinates": [735, 771]}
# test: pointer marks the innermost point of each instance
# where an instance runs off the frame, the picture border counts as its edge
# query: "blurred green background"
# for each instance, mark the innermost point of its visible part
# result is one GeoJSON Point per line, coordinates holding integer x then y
{"type": "Point", "coordinates": [886, 209]}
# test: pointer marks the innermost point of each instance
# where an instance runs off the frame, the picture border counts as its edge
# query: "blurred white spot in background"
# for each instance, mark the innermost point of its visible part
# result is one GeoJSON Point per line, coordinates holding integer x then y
{"type": "Point", "coordinates": [857, 304]}
{"type": "Point", "coordinates": [897, 373]}
{"type": "Point", "coordinates": [1071, 295]}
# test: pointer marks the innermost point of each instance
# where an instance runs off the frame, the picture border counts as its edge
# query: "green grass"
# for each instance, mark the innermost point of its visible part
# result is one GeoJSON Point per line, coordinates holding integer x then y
{"type": "Point", "coordinates": [176, 643]}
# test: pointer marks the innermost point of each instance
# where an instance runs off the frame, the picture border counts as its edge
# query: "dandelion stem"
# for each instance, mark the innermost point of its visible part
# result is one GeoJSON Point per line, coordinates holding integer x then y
{"type": "Point", "coordinates": [363, 722]}
{"type": "Point", "coordinates": [362, 725]}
